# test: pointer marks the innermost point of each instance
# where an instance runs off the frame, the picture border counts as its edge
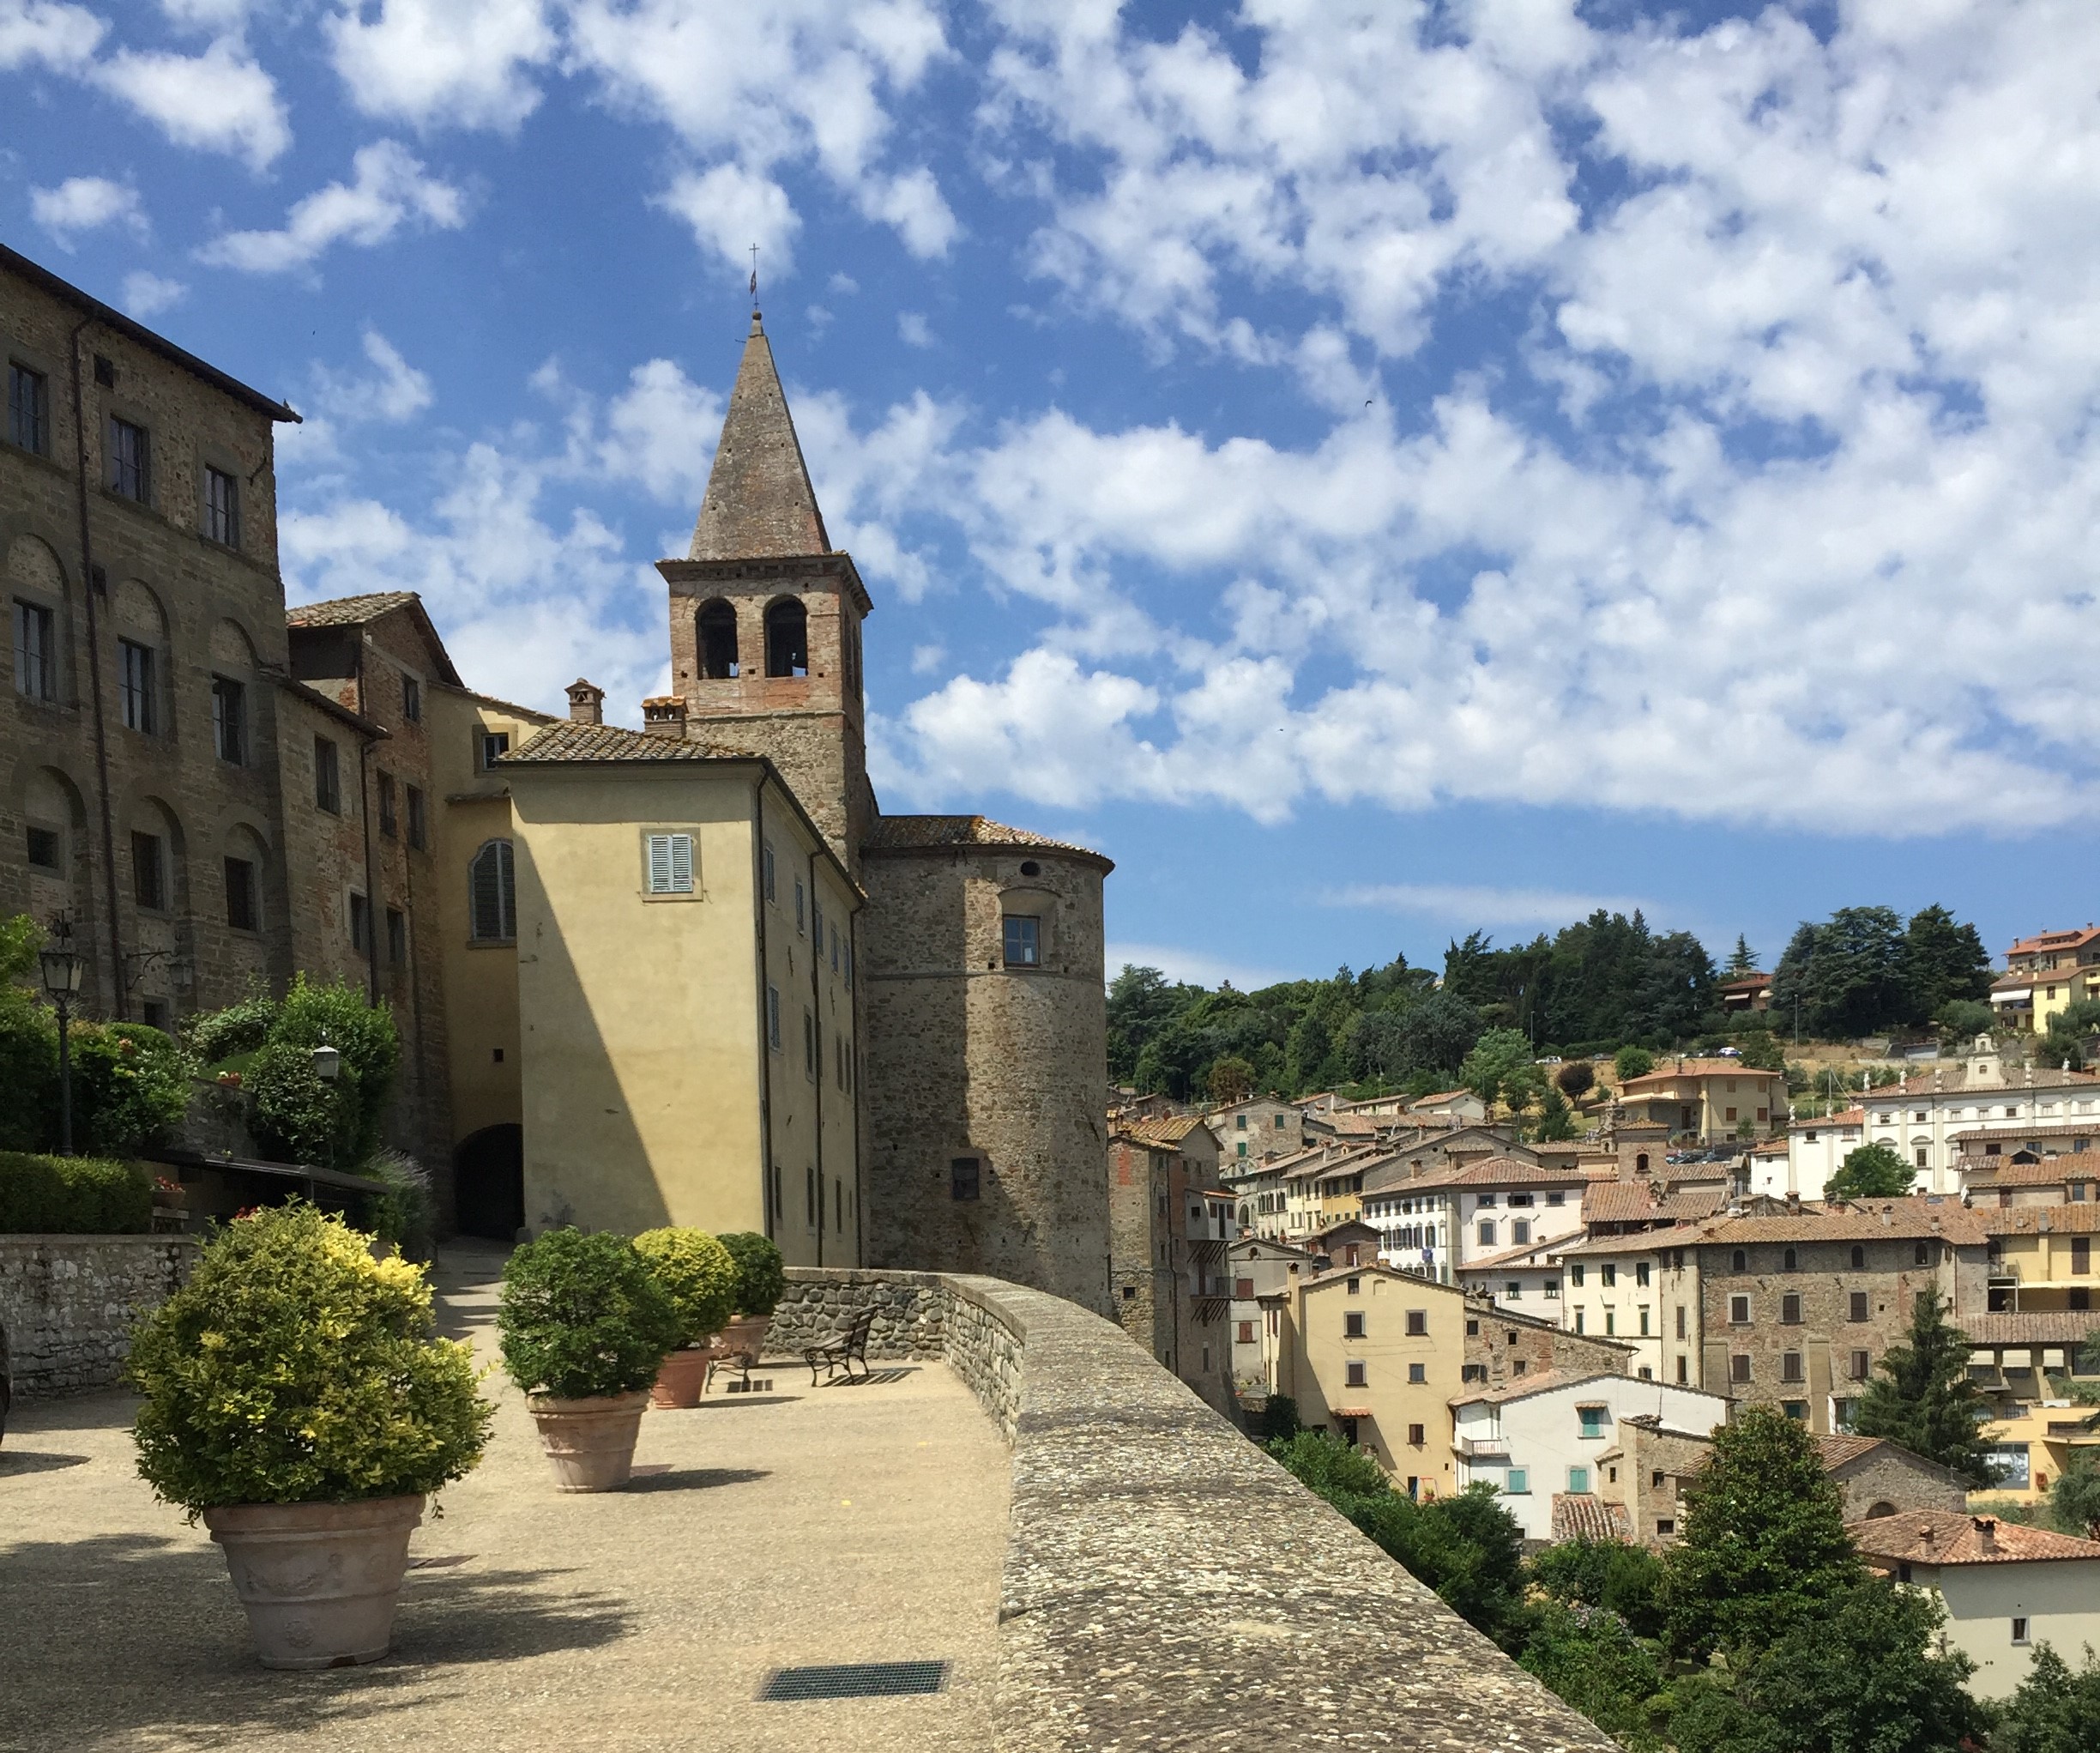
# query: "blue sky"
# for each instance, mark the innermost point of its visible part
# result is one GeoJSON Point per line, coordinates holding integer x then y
{"type": "Point", "coordinates": [1376, 470]}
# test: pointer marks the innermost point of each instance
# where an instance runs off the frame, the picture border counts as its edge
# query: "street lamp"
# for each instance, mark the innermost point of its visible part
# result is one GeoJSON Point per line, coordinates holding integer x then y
{"type": "Point", "coordinates": [62, 980]}
{"type": "Point", "coordinates": [327, 1063]}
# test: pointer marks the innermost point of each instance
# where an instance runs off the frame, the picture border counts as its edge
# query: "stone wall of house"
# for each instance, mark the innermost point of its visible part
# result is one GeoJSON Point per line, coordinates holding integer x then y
{"type": "Point", "coordinates": [69, 1301]}
{"type": "Point", "coordinates": [1892, 1476]}
{"type": "Point", "coordinates": [1151, 1548]}
{"type": "Point", "coordinates": [966, 1058]}
{"type": "Point", "coordinates": [1507, 1347]}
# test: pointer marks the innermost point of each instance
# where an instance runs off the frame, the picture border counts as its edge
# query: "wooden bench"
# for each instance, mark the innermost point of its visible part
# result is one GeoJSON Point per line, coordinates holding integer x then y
{"type": "Point", "coordinates": [835, 1355]}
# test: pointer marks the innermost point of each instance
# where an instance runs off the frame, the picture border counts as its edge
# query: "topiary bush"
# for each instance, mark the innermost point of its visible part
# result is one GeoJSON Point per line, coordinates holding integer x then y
{"type": "Point", "coordinates": [699, 1273]}
{"type": "Point", "coordinates": [293, 1368]}
{"type": "Point", "coordinates": [240, 1028]}
{"type": "Point", "coordinates": [73, 1196]}
{"type": "Point", "coordinates": [296, 1115]}
{"type": "Point", "coordinates": [131, 1087]}
{"type": "Point", "coordinates": [762, 1277]}
{"type": "Point", "coordinates": [584, 1316]}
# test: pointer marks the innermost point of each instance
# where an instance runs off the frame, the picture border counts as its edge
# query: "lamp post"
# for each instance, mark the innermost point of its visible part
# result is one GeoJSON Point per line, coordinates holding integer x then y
{"type": "Point", "coordinates": [327, 1063]}
{"type": "Point", "coordinates": [62, 982]}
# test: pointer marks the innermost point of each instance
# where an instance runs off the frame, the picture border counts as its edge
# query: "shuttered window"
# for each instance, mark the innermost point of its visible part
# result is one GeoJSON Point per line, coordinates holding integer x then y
{"type": "Point", "coordinates": [670, 864]}
{"type": "Point", "coordinates": [492, 893]}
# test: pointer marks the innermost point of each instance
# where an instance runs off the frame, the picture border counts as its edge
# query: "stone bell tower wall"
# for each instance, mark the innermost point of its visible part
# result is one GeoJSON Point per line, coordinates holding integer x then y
{"type": "Point", "coordinates": [967, 1059]}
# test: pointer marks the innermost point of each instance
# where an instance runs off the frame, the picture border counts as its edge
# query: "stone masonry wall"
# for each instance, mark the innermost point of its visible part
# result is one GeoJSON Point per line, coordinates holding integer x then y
{"type": "Point", "coordinates": [1166, 1583]}
{"type": "Point", "coordinates": [67, 1303]}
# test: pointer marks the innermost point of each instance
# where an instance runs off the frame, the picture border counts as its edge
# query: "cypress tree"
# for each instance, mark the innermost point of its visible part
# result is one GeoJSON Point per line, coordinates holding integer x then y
{"type": "Point", "coordinates": [1923, 1399]}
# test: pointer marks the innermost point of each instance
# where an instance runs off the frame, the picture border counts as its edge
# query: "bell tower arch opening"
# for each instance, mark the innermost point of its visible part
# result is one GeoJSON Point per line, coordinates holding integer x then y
{"type": "Point", "coordinates": [787, 637]}
{"type": "Point", "coordinates": [715, 629]}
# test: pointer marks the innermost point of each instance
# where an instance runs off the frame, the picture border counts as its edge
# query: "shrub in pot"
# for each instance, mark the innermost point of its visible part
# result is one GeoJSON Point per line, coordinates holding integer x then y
{"type": "Point", "coordinates": [584, 1323]}
{"type": "Point", "coordinates": [298, 1398]}
{"type": "Point", "coordinates": [701, 1278]}
{"type": "Point", "coordinates": [761, 1281]}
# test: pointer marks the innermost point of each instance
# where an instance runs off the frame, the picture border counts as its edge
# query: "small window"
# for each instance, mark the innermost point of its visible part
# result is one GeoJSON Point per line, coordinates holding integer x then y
{"type": "Point", "coordinates": [1684, 1371]}
{"type": "Point", "coordinates": [28, 409]}
{"type": "Point", "coordinates": [222, 508]}
{"type": "Point", "coordinates": [1418, 1372]}
{"type": "Point", "coordinates": [419, 822]}
{"type": "Point", "coordinates": [43, 847]}
{"type": "Point", "coordinates": [131, 461]}
{"type": "Point", "coordinates": [492, 746]}
{"type": "Point", "coordinates": [411, 699]}
{"type": "Point", "coordinates": [801, 910]}
{"type": "Point", "coordinates": [328, 777]}
{"type": "Point", "coordinates": [1790, 1367]}
{"type": "Point", "coordinates": [154, 1013]}
{"type": "Point", "coordinates": [1858, 1309]}
{"type": "Point", "coordinates": [1681, 1320]}
{"type": "Point", "coordinates": [1578, 1480]}
{"type": "Point", "coordinates": [1790, 1309]}
{"type": "Point", "coordinates": [360, 924]}
{"type": "Point", "coordinates": [1556, 1198]}
{"type": "Point", "coordinates": [1791, 1262]}
{"type": "Point", "coordinates": [1353, 1325]}
{"type": "Point", "coordinates": [492, 890]}
{"type": "Point", "coordinates": [1665, 1526]}
{"type": "Point", "coordinates": [2020, 1631]}
{"type": "Point", "coordinates": [36, 669]}
{"type": "Point", "coordinates": [1355, 1373]}
{"type": "Point", "coordinates": [149, 872]}
{"type": "Point", "coordinates": [1575, 1274]}
{"type": "Point", "coordinates": [1859, 1258]}
{"type": "Point", "coordinates": [139, 685]}
{"type": "Point", "coordinates": [1739, 1311]}
{"type": "Point", "coordinates": [773, 1030]}
{"type": "Point", "coordinates": [388, 823]}
{"type": "Point", "coordinates": [669, 863]}
{"type": "Point", "coordinates": [1486, 1232]}
{"type": "Point", "coordinates": [1609, 1274]}
{"type": "Point", "coordinates": [1418, 1324]}
{"type": "Point", "coordinates": [1795, 1410]}
{"type": "Point", "coordinates": [397, 938]}
{"type": "Point", "coordinates": [809, 1045]}
{"type": "Point", "coordinates": [230, 720]}
{"type": "Point", "coordinates": [1512, 1290]}
{"type": "Point", "coordinates": [1520, 1230]}
{"type": "Point", "coordinates": [765, 870]}
{"type": "Point", "coordinates": [1517, 1482]}
{"type": "Point", "coordinates": [1246, 1333]}
{"type": "Point", "coordinates": [1023, 941]}
{"type": "Point", "coordinates": [240, 894]}
{"type": "Point", "coordinates": [1417, 1435]}
{"type": "Point", "coordinates": [1739, 1260]}
{"type": "Point", "coordinates": [1640, 1273]}
{"type": "Point", "coordinates": [1593, 1421]}
{"type": "Point", "coordinates": [1918, 1254]}
{"type": "Point", "coordinates": [1739, 1367]}
{"type": "Point", "coordinates": [1862, 1366]}
{"type": "Point", "coordinates": [964, 1175]}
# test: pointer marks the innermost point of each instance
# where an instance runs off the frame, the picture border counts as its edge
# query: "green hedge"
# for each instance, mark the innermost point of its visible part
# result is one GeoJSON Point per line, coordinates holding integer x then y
{"type": "Point", "coordinates": [73, 1196]}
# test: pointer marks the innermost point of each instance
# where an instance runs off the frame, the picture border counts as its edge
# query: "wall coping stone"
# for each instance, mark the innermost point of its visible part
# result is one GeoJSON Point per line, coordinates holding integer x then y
{"type": "Point", "coordinates": [1167, 1583]}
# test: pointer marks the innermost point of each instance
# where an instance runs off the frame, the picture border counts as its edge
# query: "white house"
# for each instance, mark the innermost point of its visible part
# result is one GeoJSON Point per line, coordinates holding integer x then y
{"type": "Point", "coordinates": [1257, 1269]}
{"type": "Point", "coordinates": [2006, 1588]}
{"type": "Point", "coordinates": [1920, 1118]}
{"type": "Point", "coordinates": [1538, 1438]}
{"type": "Point", "coordinates": [1431, 1221]}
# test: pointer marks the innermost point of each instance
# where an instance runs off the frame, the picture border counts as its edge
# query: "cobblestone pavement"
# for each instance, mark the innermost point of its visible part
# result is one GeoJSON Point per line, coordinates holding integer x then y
{"type": "Point", "coordinates": [798, 1527]}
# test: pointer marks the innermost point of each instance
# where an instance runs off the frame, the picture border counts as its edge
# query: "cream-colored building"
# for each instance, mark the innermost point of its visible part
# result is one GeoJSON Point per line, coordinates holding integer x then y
{"type": "Point", "coordinates": [1709, 1099]}
{"type": "Point", "coordinates": [684, 971]}
{"type": "Point", "coordinates": [2006, 1588]}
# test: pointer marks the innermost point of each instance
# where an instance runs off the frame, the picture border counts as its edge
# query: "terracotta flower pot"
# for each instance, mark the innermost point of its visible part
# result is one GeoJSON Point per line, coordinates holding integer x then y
{"type": "Point", "coordinates": [319, 1580]}
{"type": "Point", "coordinates": [591, 1441]}
{"type": "Point", "coordinates": [680, 1378]}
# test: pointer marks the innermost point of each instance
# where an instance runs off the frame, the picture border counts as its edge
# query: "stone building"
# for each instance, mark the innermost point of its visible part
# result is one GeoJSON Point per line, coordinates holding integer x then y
{"type": "Point", "coordinates": [1168, 1239]}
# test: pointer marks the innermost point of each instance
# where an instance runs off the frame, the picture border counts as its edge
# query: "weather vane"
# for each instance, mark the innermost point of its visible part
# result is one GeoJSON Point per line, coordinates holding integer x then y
{"type": "Point", "coordinates": [754, 279]}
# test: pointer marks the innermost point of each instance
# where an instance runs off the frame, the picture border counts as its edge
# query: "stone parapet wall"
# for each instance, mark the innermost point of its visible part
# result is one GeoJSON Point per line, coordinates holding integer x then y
{"type": "Point", "coordinates": [1169, 1584]}
{"type": "Point", "coordinates": [69, 1301]}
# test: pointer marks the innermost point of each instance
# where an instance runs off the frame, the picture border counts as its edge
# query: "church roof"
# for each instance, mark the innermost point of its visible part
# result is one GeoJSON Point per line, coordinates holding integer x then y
{"type": "Point", "coordinates": [929, 833]}
{"type": "Point", "coordinates": [759, 503]}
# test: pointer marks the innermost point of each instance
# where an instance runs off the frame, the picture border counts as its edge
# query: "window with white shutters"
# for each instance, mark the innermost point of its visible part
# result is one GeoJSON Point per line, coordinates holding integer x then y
{"type": "Point", "coordinates": [492, 893]}
{"type": "Point", "coordinates": [670, 864]}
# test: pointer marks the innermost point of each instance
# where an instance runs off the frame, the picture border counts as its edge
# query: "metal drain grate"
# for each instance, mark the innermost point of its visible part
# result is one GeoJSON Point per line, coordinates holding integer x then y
{"type": "Point", "coordinates": [854, 1680]}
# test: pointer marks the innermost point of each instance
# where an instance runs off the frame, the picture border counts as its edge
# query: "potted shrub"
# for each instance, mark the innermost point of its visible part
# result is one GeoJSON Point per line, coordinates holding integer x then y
{"type": "Point", "coordinates": [584, 1323]}
{"type": "Point", "coordinates": [298, 1398]}
{"type": "Point", "coordinates": [701, 1278]}
{"type": "Point", "coordinates": [762, 1280]}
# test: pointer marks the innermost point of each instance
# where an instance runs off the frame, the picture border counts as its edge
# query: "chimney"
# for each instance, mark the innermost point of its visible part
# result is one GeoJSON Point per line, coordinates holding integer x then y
{"type": "Point", "coordinates": [586, 703]}
{"type": "Point", "coordinates": [1925, 1536]}
{"type": "Point", "coordinates": [664, 715]}
{"type": "Point", "coordinates": [1987, 1529]}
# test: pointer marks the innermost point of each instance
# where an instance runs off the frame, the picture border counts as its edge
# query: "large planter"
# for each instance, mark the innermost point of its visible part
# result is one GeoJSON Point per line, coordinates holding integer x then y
{"type": "Point", "coordinates": [319, 1580]}
{"type": "Point", "coordinates": [591, 1443]}
{"type": "Point", "coordinates": [739, 1345]}
{"type": "Point", "coordinates": [681, 1377]}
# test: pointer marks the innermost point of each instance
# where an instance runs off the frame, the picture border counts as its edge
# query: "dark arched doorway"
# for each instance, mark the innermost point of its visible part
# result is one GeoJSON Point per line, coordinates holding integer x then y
{"type": "Point", "coordinates": [488, 1184]}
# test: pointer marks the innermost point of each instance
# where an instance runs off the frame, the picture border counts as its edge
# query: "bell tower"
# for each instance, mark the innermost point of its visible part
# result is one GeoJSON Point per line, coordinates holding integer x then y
{"type": "Point", "coordinates": [765, 615]}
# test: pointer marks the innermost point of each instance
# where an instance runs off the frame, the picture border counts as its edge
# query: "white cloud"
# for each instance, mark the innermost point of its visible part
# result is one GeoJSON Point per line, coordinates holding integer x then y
{"type": "Point", "coordinates": [394, 391]}
{"type": "Point", "coordinates": [146, 295]}
{"type": "Point", "coordinates": [217, 17]}
{"type": "Point", "coordinates": [220, 100]}
{"type": "Point", "coordinates": [54, 35]}
{"type": "Point", "coordinates": [1197, 967]}
{"type": "Point", "coordinates": [659, 433]}
{"type": "Point", "coordinates": [86, 204]}
{"type": "Point", "coordinates": [911, 330]}
{"type": "Point", "coordinates": [389, 190]}
{"type": "Point", "coordinates": [442, 63]}
{"type": "Point", "coordinates": [1483, 904]}
{"type": "Point", "coordinates": [750, 89]}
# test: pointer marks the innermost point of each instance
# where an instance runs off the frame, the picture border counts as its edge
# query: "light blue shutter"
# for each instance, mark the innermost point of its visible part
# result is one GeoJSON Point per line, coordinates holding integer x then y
{"type": "Point", "coordinates": [681, 864]}
{"type": "Point", "coordinates": [659, 864]}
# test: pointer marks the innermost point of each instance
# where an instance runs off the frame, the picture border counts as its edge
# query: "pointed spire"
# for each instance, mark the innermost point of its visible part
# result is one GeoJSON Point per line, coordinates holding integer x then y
{"type": "Point", "coordinates": [759, 504]}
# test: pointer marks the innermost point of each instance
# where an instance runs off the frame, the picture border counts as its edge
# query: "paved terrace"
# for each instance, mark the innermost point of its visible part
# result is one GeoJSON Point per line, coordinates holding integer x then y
{"type": "Point", "coordinates": [1021, 1492]}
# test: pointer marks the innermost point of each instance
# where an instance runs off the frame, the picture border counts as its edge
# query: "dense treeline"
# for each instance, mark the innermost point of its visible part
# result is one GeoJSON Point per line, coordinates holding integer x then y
{"type": "Point", "coordinates": [1606, 982]}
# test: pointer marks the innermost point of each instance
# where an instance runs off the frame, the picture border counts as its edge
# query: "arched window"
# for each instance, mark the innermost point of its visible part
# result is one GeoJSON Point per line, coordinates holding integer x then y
{"type": "Point", "coordinates": [718, 640]}
{"type": "Point", "coordinates": [1793, 1261]}
{"type": "Point", "coordinates": [1740, 1261]}
{"type": "Point", "coordinates": [1640, 1163]}
{"type": "Point", "coordinates": [787, 635]}
{"type": "Point", "coordinates": [1859, 1258]}
{"type": "Point", "coordinates": [492, 893]}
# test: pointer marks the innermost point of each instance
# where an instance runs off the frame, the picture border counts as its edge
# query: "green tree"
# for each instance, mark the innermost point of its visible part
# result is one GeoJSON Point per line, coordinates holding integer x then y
{"type": "Point", "coordinates": [1555, 1121]}
{"type": "Point", "coordinates": [1853, 1674]}
{"type": "Point", "coordinates": [2078, 1020]}
{"type": "Point", "coordinates": [301, 1117]}
{"type": "Point", "coordinates": [1625, 1579]}
{"type": "Point", "coordinates": [1762, 1051]}
{"type": "Point", "coordinates": [1576, 1079]}
{"type": "Point", "coordinates": [2074, 1498]}
{"type": "Point", "coordinates": [1594, 1662]}
{"type": "Point", "coordinates": [1763, 1543]}
{"type": "Point", "coordinates": [1922, 1396]}
{"type": "Point", "coordinates": [1872, 1171]}
{"type": "Point", "coordinates": [1230, 1079]}
{"type": "Point", "coordinates": [2055, 1710]}
{"type": "Point", "coordinates": [1847, 973]}
{"type": "Point", "coordinates": [1943, 962]}
{"type": "Point", "coordinates": [1631, 1062]}
{"type": "Point", "coordinates": [1140, 1000]}
{"type": "Point", "coordinates": [1960, 1020]}
{"type": "Point", "coordinates": [1743, 959]}
{"type": "Point", "coordinates": [1499, 1067]}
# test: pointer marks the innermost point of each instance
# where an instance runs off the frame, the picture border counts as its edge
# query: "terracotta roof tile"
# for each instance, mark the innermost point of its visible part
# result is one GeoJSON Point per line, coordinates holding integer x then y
{"type": "Point", "coordinates": [568, 742]}
{"type": "Point", "coordinates": [2031, 1327]}
{"type": "Point", "coordinates": [1523, 1386]}
{"type": "Point", "coordinates": [1582, 1515]}
{"type": "Point", "coordinates": [1906, 1219]}
{"type": "Point", "coordinates": [1634, 1201]}
{"type": "Point", "coordinates": [929, 833]}
{"type": "Point", "coordinates": [1169, 1130]}
{"type": "Point", "coordinates": [759, 503]}
{"type": "Point", "coordinates": [1696, 1068]}
{"type": "Point", "coordinates": [2082, 1219]}
{"type": "Point", "coordinates": [1950, 1537]}
{"type": "Point", "coordinates": [349, 611]}
{"type": "Point", "coordinates": [2070, 1165]}
{"type": "Point", "coordinates": [2071, 938]}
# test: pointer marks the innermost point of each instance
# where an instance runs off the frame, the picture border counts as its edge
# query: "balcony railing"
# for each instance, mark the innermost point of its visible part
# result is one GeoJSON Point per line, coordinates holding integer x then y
{"type": "Point", "coordinates": [1483, 1446]}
